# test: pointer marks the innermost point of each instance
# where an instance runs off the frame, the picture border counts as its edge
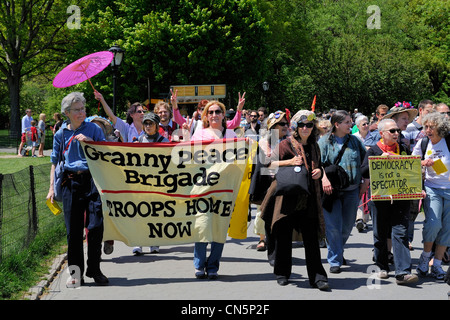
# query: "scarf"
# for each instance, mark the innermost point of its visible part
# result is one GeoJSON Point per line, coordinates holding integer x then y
{"type": "Point", "coordinates": [394, 149]}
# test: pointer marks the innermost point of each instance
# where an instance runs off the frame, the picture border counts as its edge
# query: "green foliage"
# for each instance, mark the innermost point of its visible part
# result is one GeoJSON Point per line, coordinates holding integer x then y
{"type": "Point", "coordinates": [301, 47]}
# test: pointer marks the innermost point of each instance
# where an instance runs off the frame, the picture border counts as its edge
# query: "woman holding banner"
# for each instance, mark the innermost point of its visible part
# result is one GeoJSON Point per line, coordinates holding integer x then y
{"type": "Point", "coordinates": [81, 201]}
{"type": "Point", "coordinates": [283, 212]}
{"type": "Point", "coordinates": [214, 127]}
{"type": "Point", "coordinates": [340, 150]}
{"type": "Point", "coordinates": [390, 216]}
{"type": "Point", "coordinates": [436, 161]}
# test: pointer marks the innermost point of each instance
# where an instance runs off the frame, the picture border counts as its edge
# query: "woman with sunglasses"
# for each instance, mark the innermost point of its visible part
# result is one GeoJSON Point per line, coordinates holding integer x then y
{"type": "Point", "coordinates": [303, 213]}
{"type": "Point", "coordinates": [214, 127]}
{"type": "Point", "coordinates": [340, 205]}
{"type": "Point", "coordinates": [390, 216]}
{"type": "Point", "coordinates": [131, 129]}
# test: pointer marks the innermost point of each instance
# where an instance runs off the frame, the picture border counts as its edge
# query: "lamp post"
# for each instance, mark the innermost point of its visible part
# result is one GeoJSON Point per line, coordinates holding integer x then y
{"type": "Point", "coordinates": [265, 86]}
{"type": "Point", "coordinates": [115, 63]}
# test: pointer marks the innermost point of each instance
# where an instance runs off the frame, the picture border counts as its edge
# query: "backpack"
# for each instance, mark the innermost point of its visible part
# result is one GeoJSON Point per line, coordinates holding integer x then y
{"type": "Point", "coordinates": [424, 144]}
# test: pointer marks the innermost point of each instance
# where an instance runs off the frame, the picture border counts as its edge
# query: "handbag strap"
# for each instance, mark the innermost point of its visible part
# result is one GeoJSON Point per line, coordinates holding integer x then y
{"type": "Point", "coordinates": [302, 151]}
{"type": "Point", "coordinates": [341, 152]}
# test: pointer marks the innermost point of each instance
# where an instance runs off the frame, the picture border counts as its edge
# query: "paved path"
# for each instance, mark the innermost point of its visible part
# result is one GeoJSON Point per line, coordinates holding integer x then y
{"type": "Point", "coordinates": [244, 275]}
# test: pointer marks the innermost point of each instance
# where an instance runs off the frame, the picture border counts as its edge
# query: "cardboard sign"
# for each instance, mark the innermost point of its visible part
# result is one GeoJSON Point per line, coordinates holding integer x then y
{"type": "Point", "coordinates": [395, 177]}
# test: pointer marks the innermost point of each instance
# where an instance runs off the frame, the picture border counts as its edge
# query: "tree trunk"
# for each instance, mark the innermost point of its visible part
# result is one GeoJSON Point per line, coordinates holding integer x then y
{"type": "Point", "coordinates": [14, 96]}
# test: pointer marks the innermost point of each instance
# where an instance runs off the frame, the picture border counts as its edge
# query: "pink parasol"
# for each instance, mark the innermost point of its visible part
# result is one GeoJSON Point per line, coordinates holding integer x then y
{"type": "Point", "coordinates": [83, 69]}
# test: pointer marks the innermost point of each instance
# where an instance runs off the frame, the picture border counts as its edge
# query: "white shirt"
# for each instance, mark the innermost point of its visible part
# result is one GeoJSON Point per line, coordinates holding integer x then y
{"type": "Point", "coordinates": [435, 152]}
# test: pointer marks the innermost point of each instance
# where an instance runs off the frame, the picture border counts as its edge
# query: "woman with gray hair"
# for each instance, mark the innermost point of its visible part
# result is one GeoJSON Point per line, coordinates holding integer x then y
{"type": "Point", "coordinates": [362, 123]}
{"type": "Point", "coordinates": [81, 201]}
{"type": "Point", "coordinates": [435, 152]}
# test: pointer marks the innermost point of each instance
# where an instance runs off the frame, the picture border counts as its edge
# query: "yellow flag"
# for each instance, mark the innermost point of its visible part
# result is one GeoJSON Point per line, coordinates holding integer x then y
{"type": "Point", "coordinates": [239, 218]}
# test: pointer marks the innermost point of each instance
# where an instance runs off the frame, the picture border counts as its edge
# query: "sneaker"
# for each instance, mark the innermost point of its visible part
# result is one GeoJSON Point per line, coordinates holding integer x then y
{"type": "Point", "coordinates": [137, 251]}
{"type": "Point", "coordinates": [407, 279]}
{"type": "Point", "coordinates": [422, 267]}
{"type": "Point", "coordinates": [108, 247]}
{"type": "Point", "coordinates": [437, 272]}
{"type": "Point", "coordinates": [360, 225]}
{"type": "Point", "coordinates": [383, 274]}
{"type": "Point", "coordinates": [200, 274]}
{"type": "Point", "coordinates": [154, 249]}
{"type": "Point", "coordinates": [213, 276]}
{"type": "Point", "coordinates": [74, 282]}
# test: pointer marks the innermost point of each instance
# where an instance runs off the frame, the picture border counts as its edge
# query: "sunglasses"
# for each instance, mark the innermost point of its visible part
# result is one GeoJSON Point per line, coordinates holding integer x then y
{"type": "Point", "coordinates": [139, 111]}
{"type": "Point", "coordinates": [309, 125]}
{"type": "Point", "coordinates": [394, 131]}
{"type": "Point", "coordinates": [282, 124]}
{"type": "Point", "coordinates": [211, 112]}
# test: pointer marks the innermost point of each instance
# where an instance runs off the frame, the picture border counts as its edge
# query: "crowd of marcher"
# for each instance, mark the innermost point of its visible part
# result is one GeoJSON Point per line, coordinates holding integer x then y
{"type": "Point", "coordinates": [330, 150]}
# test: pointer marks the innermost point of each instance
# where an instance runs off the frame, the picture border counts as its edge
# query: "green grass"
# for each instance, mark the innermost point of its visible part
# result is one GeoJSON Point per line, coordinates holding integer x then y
{"type": "Point", "coordinates": [22, 268]}
{"type": "Point", "coordinates": [20, 272]}
{"type": "Point", "coordinates": [11, 165]}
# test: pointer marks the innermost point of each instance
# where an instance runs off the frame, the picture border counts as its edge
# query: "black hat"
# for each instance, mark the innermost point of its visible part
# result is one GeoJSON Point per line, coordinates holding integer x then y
{"type": "Point", "coordinates": [152, 117]}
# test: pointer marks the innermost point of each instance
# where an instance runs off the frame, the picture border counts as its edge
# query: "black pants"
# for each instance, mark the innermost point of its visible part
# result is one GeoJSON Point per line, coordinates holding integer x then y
{"type": "Point", "coordinates": [279, 247]}
{"type": "Point", "coordinates": [82, 208]}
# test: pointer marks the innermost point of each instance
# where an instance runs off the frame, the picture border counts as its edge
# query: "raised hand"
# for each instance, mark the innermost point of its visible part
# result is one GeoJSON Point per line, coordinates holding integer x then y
{"type": "Point", "coordinates": [241, 102]}
{"type": "Point", "coordinates": [173, 99]}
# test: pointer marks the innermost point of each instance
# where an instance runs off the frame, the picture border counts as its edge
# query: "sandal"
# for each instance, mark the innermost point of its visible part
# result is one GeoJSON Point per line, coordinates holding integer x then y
{"type": "Point", "coordinates": [261, 246]}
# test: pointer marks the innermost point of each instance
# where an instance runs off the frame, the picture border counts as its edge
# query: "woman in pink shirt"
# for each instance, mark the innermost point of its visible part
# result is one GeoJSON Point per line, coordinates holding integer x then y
{"type": "Point", "coordinates": [214, 127]}
{"type": "Point", "coordinates": [197, 124]}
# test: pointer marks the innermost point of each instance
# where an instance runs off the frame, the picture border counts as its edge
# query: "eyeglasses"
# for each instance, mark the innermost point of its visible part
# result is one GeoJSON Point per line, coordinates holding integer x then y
{"type": "Point", "coordinates": [429, 127]}
{"type": "Point", "coordinates": [211, 112]}
{"type": "Point", "coordinates": [394, 130]}
{"type": "Point", "coordinates": [78, 110]}
{"type": "Point", "coordinates": [309, 125]}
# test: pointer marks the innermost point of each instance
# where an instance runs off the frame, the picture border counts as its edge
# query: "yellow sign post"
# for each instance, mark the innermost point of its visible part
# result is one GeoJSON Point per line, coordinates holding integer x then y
{"type": "Point", "coordinates": [395, 177]}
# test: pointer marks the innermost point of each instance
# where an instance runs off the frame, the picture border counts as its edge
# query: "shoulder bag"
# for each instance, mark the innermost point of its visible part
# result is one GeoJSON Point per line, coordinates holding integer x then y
{"type": "Point", "coordinates": [337, 176]}
{"type": "Point", "coordinates": [58, 177]}
{"type": "Point", "coordinates": [293, 180]}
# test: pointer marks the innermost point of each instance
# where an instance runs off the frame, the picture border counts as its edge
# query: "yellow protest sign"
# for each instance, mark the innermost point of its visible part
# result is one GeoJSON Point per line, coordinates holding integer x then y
{"type": "Point", "coordinates": [395, 177]}
{"type": "Point", "coordinates": [167, 193]}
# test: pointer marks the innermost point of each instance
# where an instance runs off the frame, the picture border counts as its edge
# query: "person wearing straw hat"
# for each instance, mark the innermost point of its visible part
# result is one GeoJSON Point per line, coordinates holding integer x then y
{"type": "Point", "coordinates": [277, 130]}
{"type": "Point", "coordinates": [403, 113]}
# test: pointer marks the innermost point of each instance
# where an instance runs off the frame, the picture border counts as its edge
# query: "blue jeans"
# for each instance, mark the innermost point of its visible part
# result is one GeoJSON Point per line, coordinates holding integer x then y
{"type": "Point", "coordinates": [339, 224]}
{"type": "Point", "coordinates": [212, 263]}
{"type": "Point", "coordinates": [391, 220]}
{"type": "Point", "coordinates": [437, 216]}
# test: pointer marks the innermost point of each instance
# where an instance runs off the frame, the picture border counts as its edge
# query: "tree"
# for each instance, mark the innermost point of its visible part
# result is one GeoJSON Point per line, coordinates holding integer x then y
{"type": "Point", "coordinates": [31, 43]}
{"type": "Point", "coordinates": [177, 42]}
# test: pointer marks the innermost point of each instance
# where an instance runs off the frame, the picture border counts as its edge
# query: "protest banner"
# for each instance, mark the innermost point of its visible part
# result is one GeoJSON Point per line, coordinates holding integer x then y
{"type": "Point", "coordinates": [395, 177]}
{"type": "Point", "coordinates": [167, 193]}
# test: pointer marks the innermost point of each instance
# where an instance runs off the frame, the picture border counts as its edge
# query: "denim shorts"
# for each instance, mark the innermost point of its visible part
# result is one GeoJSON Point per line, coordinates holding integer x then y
{"type": "Point", "coordinates": [437, 216]}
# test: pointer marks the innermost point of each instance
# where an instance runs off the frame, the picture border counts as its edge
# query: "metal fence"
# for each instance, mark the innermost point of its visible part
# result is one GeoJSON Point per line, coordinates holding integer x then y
{"type": "Point", "coordinates": [23, 211]}
{"type": "Point", "coordinates": [9, 139]}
